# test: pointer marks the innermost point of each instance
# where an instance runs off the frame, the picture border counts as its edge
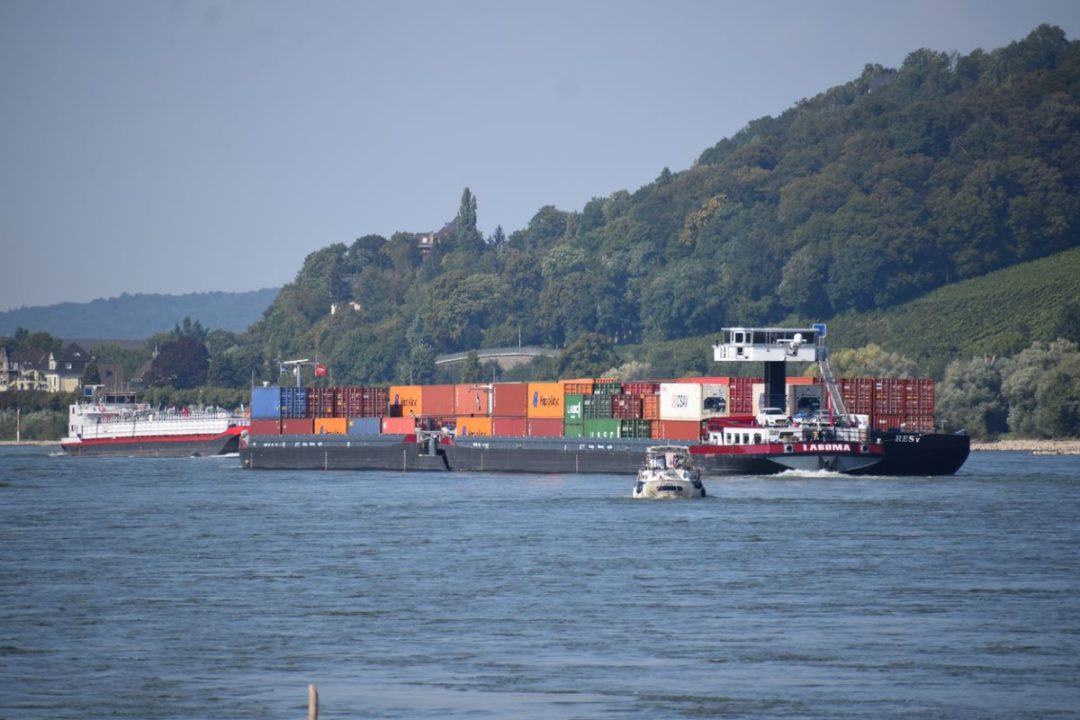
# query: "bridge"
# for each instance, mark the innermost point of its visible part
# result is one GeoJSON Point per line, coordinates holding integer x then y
{"type": "Point", "coordinates": [505, 358]}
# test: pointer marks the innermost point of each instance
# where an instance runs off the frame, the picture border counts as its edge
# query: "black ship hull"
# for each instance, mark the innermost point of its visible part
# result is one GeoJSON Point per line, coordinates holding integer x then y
{"type": "Point", "coordinates": [940, 455]}
{"type": "Point", "coordinates": [181, 446]}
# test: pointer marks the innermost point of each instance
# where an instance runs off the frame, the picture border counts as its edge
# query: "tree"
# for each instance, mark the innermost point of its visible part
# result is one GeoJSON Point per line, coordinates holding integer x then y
{"type": "Point", "coordinates": [1041, 385]}
{"type": "Point", "coordinates": [871, 361]}
{"type": "Point", "coordinates": [1067, 325]}
{"type": "Point", "coordinates": [182, 363]}
{"type": "Point", "coordinates": [588, 356]}
{"type": "Point", "coordinates": [471, 372]}
{"type": "Point", "coordinates": [90, 375]}
{"type": "Point", "coordinates": [970, 397]}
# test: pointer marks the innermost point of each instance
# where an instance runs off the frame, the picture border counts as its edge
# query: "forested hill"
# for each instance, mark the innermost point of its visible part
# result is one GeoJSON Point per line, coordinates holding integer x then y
{"type": "Point", "coordinates": [865, 196]}
{"type": "Point", "coordinates": [137, 317]}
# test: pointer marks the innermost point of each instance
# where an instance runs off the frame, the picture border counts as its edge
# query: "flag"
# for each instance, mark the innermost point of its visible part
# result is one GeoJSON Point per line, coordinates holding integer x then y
{"type": "Point", "coordinates": [321, 370]}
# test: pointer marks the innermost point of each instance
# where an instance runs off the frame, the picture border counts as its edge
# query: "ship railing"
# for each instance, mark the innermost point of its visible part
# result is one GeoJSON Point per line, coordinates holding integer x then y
{"type": "Point", "coordinates": [153, 427]}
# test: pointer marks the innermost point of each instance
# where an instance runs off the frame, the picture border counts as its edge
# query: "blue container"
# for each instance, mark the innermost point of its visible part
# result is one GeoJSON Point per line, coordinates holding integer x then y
{"type": "Point", "coordinates": [293, 402]}
{"type": "Point", "coordinates": [365, 426]}
{"type": "Point", "coordinates": [265, 403]}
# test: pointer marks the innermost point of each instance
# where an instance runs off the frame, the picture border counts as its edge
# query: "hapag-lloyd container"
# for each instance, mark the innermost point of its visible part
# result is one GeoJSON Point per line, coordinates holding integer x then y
{"type": "Point", "coordinates": [331, 426]}
{"type": "Point", "coordinates": [545, 400]}
{"type": "Point", "coordinates": [406, 400]}
{"type": "Point", "coordinates": [474, 426]}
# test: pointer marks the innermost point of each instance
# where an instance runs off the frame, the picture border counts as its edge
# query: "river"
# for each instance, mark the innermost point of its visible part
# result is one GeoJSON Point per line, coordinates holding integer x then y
{"type": "Point", "coordinates": [189, 588]}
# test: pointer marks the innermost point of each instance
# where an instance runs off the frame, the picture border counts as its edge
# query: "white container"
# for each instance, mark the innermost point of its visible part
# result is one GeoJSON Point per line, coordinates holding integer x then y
{"type": "Point", "coordinates": [680, 401]}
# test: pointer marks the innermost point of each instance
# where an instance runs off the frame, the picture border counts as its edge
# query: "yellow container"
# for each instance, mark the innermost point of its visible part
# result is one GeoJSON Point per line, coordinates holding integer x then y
{"type": "Point", "coordinates": [473, 426]}
{"type": "Point", "coordinates": [331, 426]}
{"type": "Point", "coordinates": [545, 400]}
{"type": "Point", "coordinates": [406, 400]}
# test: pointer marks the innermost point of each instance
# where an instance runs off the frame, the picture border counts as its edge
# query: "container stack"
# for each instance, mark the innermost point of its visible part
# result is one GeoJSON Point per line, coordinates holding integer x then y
{"type": "Point", "coordinates": [593, 409]}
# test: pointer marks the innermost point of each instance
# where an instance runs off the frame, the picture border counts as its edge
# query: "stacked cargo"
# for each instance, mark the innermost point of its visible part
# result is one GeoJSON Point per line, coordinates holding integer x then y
{"type": "Point", "coordinates": [742, 395]}
{"type": "Point", "coordinates": [574, 413]}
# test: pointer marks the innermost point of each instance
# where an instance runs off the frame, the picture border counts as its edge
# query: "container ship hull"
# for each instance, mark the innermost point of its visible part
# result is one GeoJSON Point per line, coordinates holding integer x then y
{"type": "Point", "coordinates": [158, 446]}
{"type": "Point", "coordinates": [581, 456]}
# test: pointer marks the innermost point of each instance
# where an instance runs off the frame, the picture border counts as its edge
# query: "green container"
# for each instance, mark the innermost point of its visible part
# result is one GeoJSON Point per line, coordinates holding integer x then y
{"type": "Point", "coordinates": [576, 430]}
{"type": "Point", "coordinates": [602, 429]}
{"type": "Point", "coordinates": [572, 410]}
{"type": "Point", "coordinates": [596, 406]}
{"type": "Point", "coordinates": [635, 428]}
{"type": "Point", "coordinates": [607, 389]}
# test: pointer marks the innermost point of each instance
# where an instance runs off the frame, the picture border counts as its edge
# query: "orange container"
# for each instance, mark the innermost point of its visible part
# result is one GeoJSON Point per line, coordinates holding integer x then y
{"type": "Point", "coordinates": [545, 400]}
{"type": "Point", "coordinates": [398, 425]}
{"type": "Point", "coordinates": [473, 426]}
{"type": "Point", "coordinates": [650, 407]}
{"type": "Point", "coordinates": [581, 386]}
{"type": "Point", "coordinates": [436, 400]}
{"type": "Point", "coordinates": [409, 398]}
{"type": "Point", "coordinates": [678, 429]}
{"type": "Point", "coordinates": [472, 400]}
{"type": "Point", "coordinates": [331, 426]}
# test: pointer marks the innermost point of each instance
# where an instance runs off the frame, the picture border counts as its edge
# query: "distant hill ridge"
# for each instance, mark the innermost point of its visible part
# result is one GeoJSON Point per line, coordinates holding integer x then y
{"type": "Point", "coordinates": [138, 316]}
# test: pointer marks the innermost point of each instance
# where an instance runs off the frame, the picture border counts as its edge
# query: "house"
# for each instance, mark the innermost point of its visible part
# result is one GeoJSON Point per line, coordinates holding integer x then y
{"type": "Point", "coordinates": [63, 371]}
{"type": "Point", "coordinates": [22, 371]}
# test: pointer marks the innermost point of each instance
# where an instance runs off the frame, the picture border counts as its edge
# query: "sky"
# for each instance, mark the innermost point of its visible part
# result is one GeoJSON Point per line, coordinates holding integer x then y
{"type": "Point", "coordinates": [175, 146]}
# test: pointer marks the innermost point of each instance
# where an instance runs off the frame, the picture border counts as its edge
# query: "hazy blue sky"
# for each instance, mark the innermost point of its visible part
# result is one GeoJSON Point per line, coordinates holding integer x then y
{"type": "Point", "coordinates": [195, 145]}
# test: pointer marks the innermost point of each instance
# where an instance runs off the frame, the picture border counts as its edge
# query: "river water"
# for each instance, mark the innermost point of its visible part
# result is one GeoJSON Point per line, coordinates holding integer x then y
{"type": "Point", "coordinates": [156, 588]}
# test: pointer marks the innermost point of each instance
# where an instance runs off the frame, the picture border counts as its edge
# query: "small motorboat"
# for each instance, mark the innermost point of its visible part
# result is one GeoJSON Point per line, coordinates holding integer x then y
{"type": "Point", "coordinates": [668, 472]}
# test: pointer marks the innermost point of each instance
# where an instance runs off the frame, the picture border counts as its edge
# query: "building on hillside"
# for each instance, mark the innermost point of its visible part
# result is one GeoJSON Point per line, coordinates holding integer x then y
{"type": "Point", "coordinates": [112, 376]}
{"type": "Point", "coordinates": [25, 371]}
{"type": "Point", "coordinates": [63, 371]}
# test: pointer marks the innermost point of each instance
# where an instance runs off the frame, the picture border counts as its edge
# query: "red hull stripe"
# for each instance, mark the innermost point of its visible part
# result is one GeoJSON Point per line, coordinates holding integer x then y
{"type": "Point", "coordinates": [153, 439]}
{"type": "Point", "coordinates": [799, 448]}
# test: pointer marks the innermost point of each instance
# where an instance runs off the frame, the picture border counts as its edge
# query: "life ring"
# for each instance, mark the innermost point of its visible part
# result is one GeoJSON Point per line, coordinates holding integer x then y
{"type": "Point", "coordinates": [100, 408]}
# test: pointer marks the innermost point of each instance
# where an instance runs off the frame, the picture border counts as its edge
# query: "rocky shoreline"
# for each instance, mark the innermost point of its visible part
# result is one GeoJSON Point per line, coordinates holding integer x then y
{"type": "Point", "coordinates": [1037, 447]}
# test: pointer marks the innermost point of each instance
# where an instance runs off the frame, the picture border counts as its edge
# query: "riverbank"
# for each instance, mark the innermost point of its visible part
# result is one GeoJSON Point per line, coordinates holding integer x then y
{"type": "Point", "coordinates": [1038, 447]}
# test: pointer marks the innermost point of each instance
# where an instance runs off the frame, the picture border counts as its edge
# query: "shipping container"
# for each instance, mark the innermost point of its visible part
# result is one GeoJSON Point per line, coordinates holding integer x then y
{"type": "Point", "coordinates": [573, 411]}
{"type": "Point", "coordinates": [715, 400]}
{"type": "Point", "coordinates": [650, 406]}
{"type": "Point", "coordinates": [575, 430]}
{"type": "Point", "coordinates": [472, 399]}
{"type": "Point", "coordinates": [595, 407]}
{"type": "Point", "coordinates": [759, 399]}
{"type": "Point", "coordinates": [293, 403]}
{"type": "Point", "coordinates": [680, 401]}
{"type": "Point", "coordinates": [265, 427]}
{"type": "Point", "coordinates": [331, 426]}
{"type": "Point", "coordinates": [320, 402]}
{"type": "Point", "coordinates": [364, 426]}
{"type": "Point", "coordinates": [641, 388]}
{"type": "Point", "coordinates": [408, 399]}
{"type": "Point", "coordinates": [398, 425]}
{"type": "Point", "coordinates": [509, 426]}
{"type": "Point", "coordinates": [469, 426]}
{"type": "Point", "coordinates": [626, 407]}
{"type": "Point", "coordinates": [545, 400]}
{"type": "Point", "coordinates": [437, 399]}
{"type": "Point", "coordinates": [296, 426]}
{"type": "Point", "coordinates": [926, 397]}
{"type": "Point", "coordinates": [545, 427]}
{"type": "Point", "coordinates": [689, 430]}
{"type": "Point", "coordinates": [266, 403]}
{"type": "Point", "coordinates": [741, 395]}
{"type": "Point", "coordinates": [711, 380]}
{"type": "Point", "coordinates": [577, 387]}
{"type": "Point", "coordinates": [805, 399]}
{"type": "Point", "coordinates": [635, 428]}
{"type": "Point", "coordinates": [606, 386]}
{"type": "Point", "coordinates": [509, 399]}
{"type": "Point", "coordinates": [802, 380]}
{"type": "Point", "coordinates": [601, 429]}
{"type": "Point", "coordinates": [374, 401]}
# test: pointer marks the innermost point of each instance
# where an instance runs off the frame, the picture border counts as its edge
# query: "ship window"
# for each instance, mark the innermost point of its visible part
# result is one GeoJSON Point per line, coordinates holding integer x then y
{"type": "Point", "coordinates": [757, 439]}
{"type": "Point", "coordinates": [746, 438]}
{"type": "Point", "coordinates": [738, 337]}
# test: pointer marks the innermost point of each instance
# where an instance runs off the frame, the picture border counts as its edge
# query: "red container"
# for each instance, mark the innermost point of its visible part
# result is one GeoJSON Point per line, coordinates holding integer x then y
{"type": "Point", "coordinates": [925, 390]}
{"type": "Point", "coordinates": [641, 388]}
{"type": "Point", "coordinates": [510, 399]}
{"type": "Point", "coordinates": [474, 400]}
{"type": "Point", "coordinates": [265, 427]}
{"type": "Point", "coordinates": [398, 425]}
{"type": "Point", "coordinates": [509, 426]}
{"type": "Point", "coordinates": [437, 399]}
{"type": "Point", "coordinates": [741, 391]}
{"type": "Point", "coordinates": [626, 407]}
{"type": "Point", "coordinates": [376, 402]}
{"type": "Point", "coordinates": [320, 402]}
{"type": "Point", "coordinates": [545, 427]}
{"type": "Point", "coordinates": [297, 426]}
{"type": "Point", "coordinates": [679, 430]}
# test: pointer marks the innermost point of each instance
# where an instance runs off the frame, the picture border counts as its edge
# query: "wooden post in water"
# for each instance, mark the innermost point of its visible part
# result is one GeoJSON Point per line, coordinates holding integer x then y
{"type": "Point", "coordinates": [312, 702]}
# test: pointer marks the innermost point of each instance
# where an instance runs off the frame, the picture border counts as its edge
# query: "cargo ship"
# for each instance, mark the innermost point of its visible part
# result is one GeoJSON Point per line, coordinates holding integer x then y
{"type": "Point", "coordinates": [731, 425]}
{"type": "Point", "coordinates": [114, 423]}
